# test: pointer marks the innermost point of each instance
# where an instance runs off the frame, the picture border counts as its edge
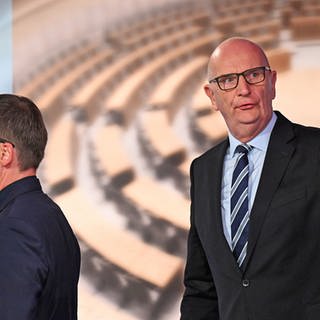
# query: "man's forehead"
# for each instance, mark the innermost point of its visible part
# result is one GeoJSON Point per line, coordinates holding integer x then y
{"type": "Point", "coordinates": [235, 61]}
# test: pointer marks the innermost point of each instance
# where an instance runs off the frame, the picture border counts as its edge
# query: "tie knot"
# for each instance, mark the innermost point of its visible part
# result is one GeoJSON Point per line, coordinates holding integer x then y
{"type": "Point", "coordinates": [243, 148]}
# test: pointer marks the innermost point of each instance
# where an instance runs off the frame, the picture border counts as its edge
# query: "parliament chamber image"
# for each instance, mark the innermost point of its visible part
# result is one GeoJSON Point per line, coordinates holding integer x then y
{"type": "Point", "coordinates": [120, 87]}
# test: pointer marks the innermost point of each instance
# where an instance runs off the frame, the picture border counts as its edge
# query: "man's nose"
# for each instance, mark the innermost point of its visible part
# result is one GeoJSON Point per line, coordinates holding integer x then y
{"type": "Point", "coordinates": [243, 87]}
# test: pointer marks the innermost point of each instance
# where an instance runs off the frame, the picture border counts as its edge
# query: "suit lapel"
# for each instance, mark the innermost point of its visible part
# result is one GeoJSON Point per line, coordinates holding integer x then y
{"type": "Point", "coordinates": [213, 217]}
{"type": "Point", "coordinates": [278, 155]}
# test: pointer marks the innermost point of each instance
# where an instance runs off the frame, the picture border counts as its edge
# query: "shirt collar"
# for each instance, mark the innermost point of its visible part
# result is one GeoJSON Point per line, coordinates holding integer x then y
{"type": "Point", "coordinates": [260, 141]}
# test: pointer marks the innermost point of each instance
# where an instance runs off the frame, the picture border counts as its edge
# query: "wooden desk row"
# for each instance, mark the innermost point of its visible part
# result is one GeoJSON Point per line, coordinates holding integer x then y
{"type": "Point", "coordinates": [46, 78]}
{"type": "Point", "coordinates": [160, 203]}
{"type": "Point", "coordinates": [119, 247]}
{"type": "Point", "coordinates": [123, 99]}
{"type": "Point", "coordinates": [48, 101]}
{"type": "Point", "coordinates": [84, 97]}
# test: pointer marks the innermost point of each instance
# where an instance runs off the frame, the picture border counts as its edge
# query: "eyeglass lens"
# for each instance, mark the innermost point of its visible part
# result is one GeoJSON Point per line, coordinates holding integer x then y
{"type": "Point", "coordinates": [252, 76]}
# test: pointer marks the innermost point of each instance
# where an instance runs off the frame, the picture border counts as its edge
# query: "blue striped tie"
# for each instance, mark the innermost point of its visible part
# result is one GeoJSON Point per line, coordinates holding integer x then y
{"type": "Point", "coordinates": [239, 204]}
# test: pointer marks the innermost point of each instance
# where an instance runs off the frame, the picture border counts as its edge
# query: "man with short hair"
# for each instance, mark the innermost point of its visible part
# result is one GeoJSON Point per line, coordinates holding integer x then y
{"type": "Point", "coordinates": [39, 253]}
{"type": "Point", "coordinates": [254, 240]}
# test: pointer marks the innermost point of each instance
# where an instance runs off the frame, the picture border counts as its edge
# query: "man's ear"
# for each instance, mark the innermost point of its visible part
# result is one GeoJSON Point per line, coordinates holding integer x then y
{"type": "Point", "coordinates": [273, 83]}
{"type": "Point", "coordinates": [6, 153]}
{"type": "Point", "coordinates": [210, 94]}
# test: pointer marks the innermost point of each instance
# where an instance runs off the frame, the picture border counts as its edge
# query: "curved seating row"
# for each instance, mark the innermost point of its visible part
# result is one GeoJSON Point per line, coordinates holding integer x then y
{"type": "Point", "coordinates": [85, 96]}
{"type": "Point", "coordinates": [125, 251]}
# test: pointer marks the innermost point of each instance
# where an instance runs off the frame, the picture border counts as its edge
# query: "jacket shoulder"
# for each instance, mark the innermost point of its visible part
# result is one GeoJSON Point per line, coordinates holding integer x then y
{"type": "Point", "coordinates": [307, 132]}
{"type": "Point", "coordinates": [212, 152]}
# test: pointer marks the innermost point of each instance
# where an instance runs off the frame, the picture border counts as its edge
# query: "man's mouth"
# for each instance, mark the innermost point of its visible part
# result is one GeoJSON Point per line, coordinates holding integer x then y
{"type": "Point", "coordinates": [246, 106]}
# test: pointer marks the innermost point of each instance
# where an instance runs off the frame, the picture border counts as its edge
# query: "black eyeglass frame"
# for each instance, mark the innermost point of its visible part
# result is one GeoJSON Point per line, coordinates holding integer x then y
{"type": "Point", "coordinates": [264, 68]}
{"type": "Point", "coordinates": [2, 140]}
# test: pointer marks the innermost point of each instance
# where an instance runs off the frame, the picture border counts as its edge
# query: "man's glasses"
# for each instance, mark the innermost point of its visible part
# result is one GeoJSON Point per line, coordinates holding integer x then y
{"type": "Point", "coordinates": [230, 81]}
{"type": "Point", "coordinates": [6, 141]}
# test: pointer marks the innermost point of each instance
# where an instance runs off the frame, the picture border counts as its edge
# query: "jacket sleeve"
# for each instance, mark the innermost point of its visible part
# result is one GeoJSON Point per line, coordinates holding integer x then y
{"type": "Point", "coordinates": [200, 298]}
{"type": "Point", "coordinates": [22, 270]}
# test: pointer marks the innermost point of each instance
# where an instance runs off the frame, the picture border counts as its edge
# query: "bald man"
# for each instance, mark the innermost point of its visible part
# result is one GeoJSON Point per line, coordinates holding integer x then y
{"type": "Point", "coordinates": [254, 240]}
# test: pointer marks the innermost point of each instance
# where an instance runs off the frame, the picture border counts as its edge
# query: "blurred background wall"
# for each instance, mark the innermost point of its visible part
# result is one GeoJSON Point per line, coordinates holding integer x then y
{"type": "Point", "coordinates": [120, 86]}
{"type": "Point", "coordinates": [6, 45]}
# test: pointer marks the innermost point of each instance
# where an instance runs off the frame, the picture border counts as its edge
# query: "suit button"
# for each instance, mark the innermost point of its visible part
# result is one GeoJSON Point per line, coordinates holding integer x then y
{"type": "Point", "coordinates": [245, 283]}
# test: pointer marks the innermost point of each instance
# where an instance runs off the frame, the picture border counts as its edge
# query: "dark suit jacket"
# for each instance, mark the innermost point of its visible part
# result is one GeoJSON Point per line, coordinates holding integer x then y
{"type": "Point", "coordinates": [280, 278]}
{"type": "Point", "coordinates": [39, 256]}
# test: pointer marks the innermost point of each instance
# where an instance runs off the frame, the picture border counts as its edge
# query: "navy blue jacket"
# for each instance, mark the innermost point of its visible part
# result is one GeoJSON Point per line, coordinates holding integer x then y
{"type": "Point", "coordinates": [39, 256]}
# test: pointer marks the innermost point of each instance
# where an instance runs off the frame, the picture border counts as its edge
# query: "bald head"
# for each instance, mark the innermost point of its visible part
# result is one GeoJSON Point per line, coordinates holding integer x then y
{"type": "Point", "coordinates": [231, 52]}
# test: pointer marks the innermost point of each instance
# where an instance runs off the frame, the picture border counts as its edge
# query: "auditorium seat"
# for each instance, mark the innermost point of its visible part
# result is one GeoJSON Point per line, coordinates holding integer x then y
{"type": "Point", "coordinates": [63, 64]}
{"type": "Point", "coordinates": [87, 96]}
{"type": "Point", "coordinates": [133, 39]}
{"type": "Point", "coordinates": [279, 58]}
{"type": "Point", "coordinates": [111, 161]}
{"type": "Point", "coordinates": [151, 216]}
{"type": "Point", "coordinates": [156, 132]}
{"type": "Point", "coordinates": [298, 8]}
{"type": "Point", "coordinates": [305, 27]}
{"type": "Point", "coordinates": [50, 101]}
{"type": "Point", "coordinates": [158, 201]}
{"type": "Point", "coordinates": [237, 8]}
{"type": "Point", "coordinates": [122, 103]}
{"type": "Point", "coordinates": [208, 126]}
{"type": "Point", "coordinates": [137, 27]}
{"type": "Point", "coordinates": [272, 26]}
{"type": "Point", "coordinates": [124, 250]}
{"type": "Point", "coordinates": [60, 156]}
{"type": "Point", "coordinates": [212, 126]}
{"type": "Point", "coordinates": [93, 305]}
{"type": "Point", "coordinates": [165, 94]}
{"type": "Point", "coordinates": [228, 25]}
{"type": "Point", "coordinates": [201, 103]}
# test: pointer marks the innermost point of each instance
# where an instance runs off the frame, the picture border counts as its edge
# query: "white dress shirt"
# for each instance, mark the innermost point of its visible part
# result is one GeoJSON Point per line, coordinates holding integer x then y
{"type": "Point", "coordinates": [256, 159]}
